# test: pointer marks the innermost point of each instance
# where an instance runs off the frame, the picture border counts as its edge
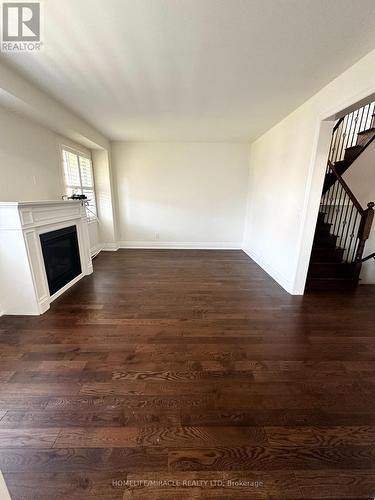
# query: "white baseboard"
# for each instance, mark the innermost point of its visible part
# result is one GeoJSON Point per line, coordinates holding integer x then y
{"type": "Point", "coordinates": [96, 250]}
{"type": "Point", "coordinates": [110, 247]}
{"type": "Point", "coordinates": [183, 245]}
{"type": "Point", "coordinates": [281, 280]}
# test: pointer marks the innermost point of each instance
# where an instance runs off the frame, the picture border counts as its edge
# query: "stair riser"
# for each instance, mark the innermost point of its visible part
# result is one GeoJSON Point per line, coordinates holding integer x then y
{"type": "Point", "coordinates": [326, 255]}
{"type": "Point", "coordinates": [322, 232]}
{"type": "Point", "coordinates": [323, 226]}
{"type": "Point", "coordinates": [321, 217]}
{"type": "Point", "coordinates": [330, 285]}
{"type": "Point", "coordinates": [325, 241]}
{"type": "Point", "coordinates": [330, 270]}
{"type": "Point", "coordinates": [351, 154]}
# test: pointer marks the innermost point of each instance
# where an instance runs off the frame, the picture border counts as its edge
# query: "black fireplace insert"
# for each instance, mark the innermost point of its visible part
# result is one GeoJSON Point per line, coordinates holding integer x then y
{"type": "Point", "coordinates": [61, 257]}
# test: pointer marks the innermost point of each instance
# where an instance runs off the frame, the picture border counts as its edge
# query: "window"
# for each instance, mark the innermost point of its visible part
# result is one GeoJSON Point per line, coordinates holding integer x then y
{"type": "Point", "coordinates": [79, 178]}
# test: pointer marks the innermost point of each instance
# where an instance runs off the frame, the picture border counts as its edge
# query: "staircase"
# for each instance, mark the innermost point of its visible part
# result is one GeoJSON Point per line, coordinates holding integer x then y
{"type": "Point", "coordinates": [343, 225]}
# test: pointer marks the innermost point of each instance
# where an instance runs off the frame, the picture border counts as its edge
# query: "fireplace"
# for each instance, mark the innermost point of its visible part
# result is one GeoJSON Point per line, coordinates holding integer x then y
{"type": "Point", "coordinates": [44, 250]}
{"type": "Point", "coordinates": [61, 257]}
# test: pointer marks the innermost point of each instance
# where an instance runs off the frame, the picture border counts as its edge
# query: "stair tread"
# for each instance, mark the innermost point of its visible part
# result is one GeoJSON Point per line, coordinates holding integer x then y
{"type": "Point", "coordinates": [315, 247]}
{"type": "Point", "coordinates": [372, 129]}
{"type": "Point", "coordinates": [326, 259]}
{"type": "Point", "coordinates": [356, 146]}
{"type": "Point", "coordinates": [331, 278]}
{"type": "Point", "coordinates": [329, 235]}
{"type": "Point", "coordinates": [330, 262]}
{"type": "Point", "coordinates": [325, 262]}
{"type": "Point", "coordinates": [324, 240]}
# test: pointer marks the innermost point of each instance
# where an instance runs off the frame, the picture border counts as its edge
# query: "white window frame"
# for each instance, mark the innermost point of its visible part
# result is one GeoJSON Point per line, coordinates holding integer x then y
{"type": "Point", "coordinates": [90, 215]}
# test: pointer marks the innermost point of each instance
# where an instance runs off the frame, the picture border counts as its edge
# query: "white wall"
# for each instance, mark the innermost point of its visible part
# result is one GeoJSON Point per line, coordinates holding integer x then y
{"type": "Point", "coordinates": [287, 167]}
{"type": "Point", "coordinates": [361, 179]}
{"type": "Point", "coordinates": [181, 194]}
{"type": "Point", "coordinates": [29, 100]}
{"type": "Point", "coordinates": [30, 162]}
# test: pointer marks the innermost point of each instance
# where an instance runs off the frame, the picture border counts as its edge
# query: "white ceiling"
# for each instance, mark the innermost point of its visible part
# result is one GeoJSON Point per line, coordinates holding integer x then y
{"type": "Point", "coordinates": [194, 70]}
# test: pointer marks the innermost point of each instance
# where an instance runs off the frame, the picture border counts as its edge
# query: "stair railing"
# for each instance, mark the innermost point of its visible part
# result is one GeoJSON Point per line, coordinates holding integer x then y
{"type": "Point", "coordinates": [346, 130]}
{"type": "Point", "coordinates": [347, 220]}
{"type": "Point", "coordinates": [336, 140]}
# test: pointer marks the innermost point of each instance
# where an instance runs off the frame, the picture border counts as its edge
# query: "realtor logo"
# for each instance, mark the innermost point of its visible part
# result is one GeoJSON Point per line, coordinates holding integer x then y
{"type": "Point", "coordinates": [21, 27]}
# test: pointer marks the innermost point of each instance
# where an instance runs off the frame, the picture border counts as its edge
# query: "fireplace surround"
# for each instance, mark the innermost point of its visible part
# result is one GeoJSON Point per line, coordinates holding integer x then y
{"type": "Point", "coordinates": [34, 267]}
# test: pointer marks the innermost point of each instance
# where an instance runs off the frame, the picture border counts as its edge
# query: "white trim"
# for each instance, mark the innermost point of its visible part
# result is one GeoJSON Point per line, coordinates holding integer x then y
{"type": "Point", "coordinates": [280, 279]}
{"type": "Point", "coordinates": [73, 150]}
{"type": "Point", "coordinates": [318, 165]}
{"type": "Point", "coordinates": [36, 203]}
{"type": "Point", "coordinates": [60, 291]}
{"type": "Point", "coordinates": [110, 247]}
{"type": "Point", "coordinates": [4, 493]}
{"type": "Point", "coordinates": [96, 250]}
{"type": "Point", "coordinates": [187, 245]}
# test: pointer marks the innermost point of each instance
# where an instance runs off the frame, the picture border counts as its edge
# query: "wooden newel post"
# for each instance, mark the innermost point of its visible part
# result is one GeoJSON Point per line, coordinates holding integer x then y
{"type": "Point", "coordinates": [364, 229]}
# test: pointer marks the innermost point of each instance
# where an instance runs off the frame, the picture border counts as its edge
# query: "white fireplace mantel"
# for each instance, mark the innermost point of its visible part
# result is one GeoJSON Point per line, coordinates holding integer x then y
{"type": "Point", "coordinates": [23, 281]}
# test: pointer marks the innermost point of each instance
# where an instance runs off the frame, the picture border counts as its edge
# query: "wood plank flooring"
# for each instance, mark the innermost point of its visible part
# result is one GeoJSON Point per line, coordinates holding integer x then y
{"type": "Point", "coordinates": [189, 374]}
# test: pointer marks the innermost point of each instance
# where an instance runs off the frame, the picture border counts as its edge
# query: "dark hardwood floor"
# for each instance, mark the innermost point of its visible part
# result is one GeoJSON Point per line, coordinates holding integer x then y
{"type": "Point", "coordinates": [194, 371]}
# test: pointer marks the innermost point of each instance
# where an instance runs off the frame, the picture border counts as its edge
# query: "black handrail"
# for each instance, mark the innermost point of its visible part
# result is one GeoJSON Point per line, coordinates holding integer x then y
{"type": "Point", "coordinates": [337, 124]}
{"type": "Point", "coordinates": [371, 256]}
{"type": "Point", "coordinates": [346, 188]}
